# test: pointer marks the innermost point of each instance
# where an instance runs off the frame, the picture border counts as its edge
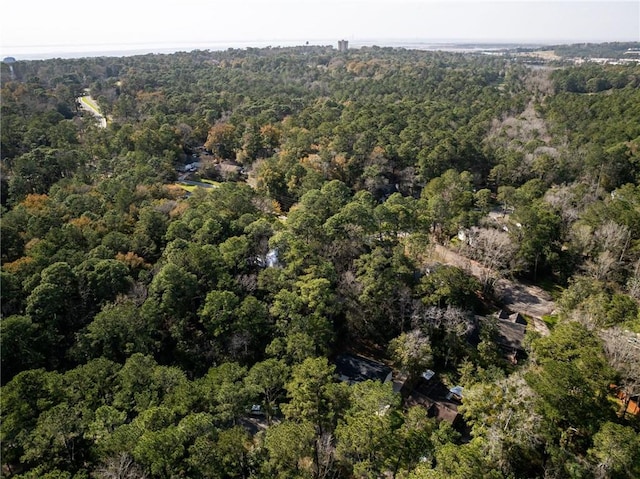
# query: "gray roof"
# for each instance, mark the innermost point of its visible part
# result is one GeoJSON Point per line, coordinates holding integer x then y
{"type": "Point", "coordinates": [428, 374]}
{"type": "Point", "coordinates": [457, 390]}
{"type": "Point", "coordinates": [510, 335]}
{"type": "Point", "coordinates": [357, 368]}
{"type": "Point", "coordinates": [512, 317]}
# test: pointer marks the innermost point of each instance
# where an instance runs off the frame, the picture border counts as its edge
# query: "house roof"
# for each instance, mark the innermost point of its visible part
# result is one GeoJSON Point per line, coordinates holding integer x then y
{"type": "Point", "coordinates": [442, 412]}
{"type": "Point", "coordinates": [510, 334]}
{"type": "Point", "coordinates": [229, 167]}
{"type": "Point", "coordinates": [435, 397]}
{"type": "Point", "coordinates": [457, 390]}
{"type": "Point", "coordinates": [512, 317]}
{"type": "Point", "coordinates": [353, 368]}
{"type": "Point", "coordinates": [428, 374]}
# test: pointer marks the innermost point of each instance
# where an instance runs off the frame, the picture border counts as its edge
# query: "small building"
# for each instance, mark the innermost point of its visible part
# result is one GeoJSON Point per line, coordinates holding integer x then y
{"type": "Point", "coordinates": [442, 412]}
{"type": "Point", "coordinates": [428, 374]}
{"type": "Point", "coordinates": [352, 369]}
{"type": "Point", "coordinates": [437, 399]}
{"type": "Point", "coordinates": [455, 393]}
{"type": "Point", "coordinates": [269, 260]}
{"type": "Point", "coordinates": [510, 338]}
{"type": "Point", "coordinates": [631, 403]}
{"type": "Point", "coordinates": [512, 317]}
{"type": "Point", "coordinates": [256, 410]}
{"type": "Point", "coordinates": [343, 45]}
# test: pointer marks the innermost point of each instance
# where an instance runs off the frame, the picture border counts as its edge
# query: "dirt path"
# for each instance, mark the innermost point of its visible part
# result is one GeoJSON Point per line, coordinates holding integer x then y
{"type": "Point", "coordinates": [518, 297]}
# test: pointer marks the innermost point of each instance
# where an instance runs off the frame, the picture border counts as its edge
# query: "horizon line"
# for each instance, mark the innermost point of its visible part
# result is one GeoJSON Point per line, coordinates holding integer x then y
{"type": "Point", "coordinates": [42, 52]}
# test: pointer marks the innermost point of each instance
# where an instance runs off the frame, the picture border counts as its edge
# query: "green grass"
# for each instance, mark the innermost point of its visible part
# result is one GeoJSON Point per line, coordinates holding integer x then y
{"type": "Point", "coordinates": [211, 182]}
{"type": "Point", "coordinates": [632, 325]}
{"type": "Point", "coordinates": [550, 320]}
{"type": "Point", "coordinates": [189, 188]}
{"type": "Point", "coordinates": [91, 104]}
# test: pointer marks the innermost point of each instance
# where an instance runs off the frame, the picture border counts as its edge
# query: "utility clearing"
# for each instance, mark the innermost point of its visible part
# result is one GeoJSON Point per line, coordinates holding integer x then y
{"type": "Point", "coordinates": [529, 300]}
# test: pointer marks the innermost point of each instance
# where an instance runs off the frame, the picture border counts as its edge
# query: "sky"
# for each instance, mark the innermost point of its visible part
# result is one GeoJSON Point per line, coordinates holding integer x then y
{"type": "Point", "coordinates": [31, 26]}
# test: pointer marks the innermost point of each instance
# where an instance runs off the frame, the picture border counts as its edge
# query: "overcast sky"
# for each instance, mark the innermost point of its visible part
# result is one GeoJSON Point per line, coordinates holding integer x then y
{"type": "Point", "coordinates": [29, 25]}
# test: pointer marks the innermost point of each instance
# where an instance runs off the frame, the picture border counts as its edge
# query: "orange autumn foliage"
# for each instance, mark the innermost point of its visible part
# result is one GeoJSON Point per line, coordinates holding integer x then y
{"type": "Point", "coordinates": [35, 202]}
{"type": "Point", "coordinates": [132, 260]}
{"type": "Point", "coordinates": [17, 265]}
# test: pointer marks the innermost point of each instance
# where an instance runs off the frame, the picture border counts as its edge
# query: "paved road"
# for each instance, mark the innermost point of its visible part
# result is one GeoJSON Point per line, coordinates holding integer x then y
{"type": "Point", "coordinates": [89, 104]}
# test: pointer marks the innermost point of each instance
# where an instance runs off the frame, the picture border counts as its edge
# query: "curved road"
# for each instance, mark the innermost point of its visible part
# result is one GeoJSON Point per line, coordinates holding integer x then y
{"type": "Point", "coordinates": [89, 104]}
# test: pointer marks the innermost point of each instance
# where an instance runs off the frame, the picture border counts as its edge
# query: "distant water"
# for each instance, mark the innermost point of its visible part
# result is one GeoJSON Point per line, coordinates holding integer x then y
{"type": "Point", "coordinates": [43, 52]}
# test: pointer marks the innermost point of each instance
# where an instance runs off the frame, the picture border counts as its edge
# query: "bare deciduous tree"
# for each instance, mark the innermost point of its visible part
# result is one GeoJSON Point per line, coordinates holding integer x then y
{"type": "Point", "coordinates": [633, 284]}
{"type": "Point", "coordinates": [565, 200]}
{"type": "Point", "coordinates": [411, 351]}
{"type": "Point", "coordinates": [611, 236]}
{"type": "Point", "coordinates": [622, 348]}
{"type": "Point", "coordinates": [494, 250]}
{"type": "Point", "coordinates": [607, 247]}
{"type": "Point", "coordinates": [601, 266]}
{"type": "Point", "coordinates": [455, 322]}
{"type": "Point", "coordinates": [325, 457]}
{"type": "Point", "coordinates": [120, 467]}
{"type": "Point", "coordinates": [504, 413]}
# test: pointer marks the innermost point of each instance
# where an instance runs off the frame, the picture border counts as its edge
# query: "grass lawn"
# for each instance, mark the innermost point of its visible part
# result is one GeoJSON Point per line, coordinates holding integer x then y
{"type": "Point", "coordinates": [550, 320]}
{"type": "Point", "coordinates": [91, 104]}
{"type": "Point", "coordinates": [189, 188]}
{"type": "Point", "coordinates": [211, 182]}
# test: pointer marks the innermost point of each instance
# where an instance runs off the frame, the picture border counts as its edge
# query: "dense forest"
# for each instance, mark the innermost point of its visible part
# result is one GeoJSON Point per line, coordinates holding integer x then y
{"type": "Point", "coordinates": [179, 287]}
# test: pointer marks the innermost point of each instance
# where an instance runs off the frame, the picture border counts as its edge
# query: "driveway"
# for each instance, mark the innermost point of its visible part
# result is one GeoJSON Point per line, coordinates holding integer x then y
{"type": "Point", "coordinates": [518, 297]}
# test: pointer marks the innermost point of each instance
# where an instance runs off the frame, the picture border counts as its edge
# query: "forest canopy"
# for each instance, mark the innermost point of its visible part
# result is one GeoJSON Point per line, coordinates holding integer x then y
{"type": "Point", "coordinates": [180, 288]}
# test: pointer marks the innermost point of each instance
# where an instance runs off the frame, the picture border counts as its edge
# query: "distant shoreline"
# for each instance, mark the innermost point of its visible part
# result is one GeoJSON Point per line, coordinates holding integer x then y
{"type": "Point", "coordinates": [45, 52]}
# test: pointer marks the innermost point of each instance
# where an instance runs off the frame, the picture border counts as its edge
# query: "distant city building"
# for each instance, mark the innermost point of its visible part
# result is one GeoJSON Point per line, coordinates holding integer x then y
{"type": "Point", "coordinates": [343, 45]}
